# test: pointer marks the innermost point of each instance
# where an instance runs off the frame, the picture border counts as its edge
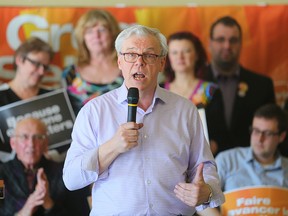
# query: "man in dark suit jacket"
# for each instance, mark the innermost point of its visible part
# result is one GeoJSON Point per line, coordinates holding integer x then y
{"type": "Point", "coordinates": [243, 91]}
{"type": "Point", "coordinates": [33, 184]}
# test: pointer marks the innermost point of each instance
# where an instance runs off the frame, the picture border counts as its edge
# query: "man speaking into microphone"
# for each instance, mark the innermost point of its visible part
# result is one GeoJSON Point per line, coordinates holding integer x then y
{"type": "Point", "coordinates": [156, 164]}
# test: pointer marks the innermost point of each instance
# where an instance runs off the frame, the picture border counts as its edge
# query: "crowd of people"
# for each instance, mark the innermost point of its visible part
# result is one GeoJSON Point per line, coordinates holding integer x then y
{"type": "Point", "coordinates": [162, 164]}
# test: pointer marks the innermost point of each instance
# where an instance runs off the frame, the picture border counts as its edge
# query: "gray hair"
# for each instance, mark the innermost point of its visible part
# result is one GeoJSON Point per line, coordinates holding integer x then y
{"type": "Point", "coordinates": [141, 30]}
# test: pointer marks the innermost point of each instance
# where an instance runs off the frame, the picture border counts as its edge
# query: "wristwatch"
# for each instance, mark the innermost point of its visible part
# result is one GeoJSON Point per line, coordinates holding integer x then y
{"type": "Point", "coordinates": [210, 195]}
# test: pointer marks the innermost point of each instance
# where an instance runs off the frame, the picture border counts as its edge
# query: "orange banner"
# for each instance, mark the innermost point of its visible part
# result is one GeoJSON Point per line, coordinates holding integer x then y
{"type": "Point", "coordinates": [265, 34]}
{"type": "Point", "coordinates": [255, 201]}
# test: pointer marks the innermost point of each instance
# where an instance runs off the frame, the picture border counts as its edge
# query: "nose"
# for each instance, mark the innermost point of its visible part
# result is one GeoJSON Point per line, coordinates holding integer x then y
{"type": "Point", "coordinates": [31, 141]}
{"type": "Point", "coordinates": [226, 44]}
{"type": "Point", "coordinates": [261, 137]}
{"type": "Point", "coordinates": [41, 69]}
{"type": "Point", "coordinates": [181, 55]}
{"type": "Point", "coordinates": [140, 61]}
{"type": "Point", "coordinates": [97, 33]}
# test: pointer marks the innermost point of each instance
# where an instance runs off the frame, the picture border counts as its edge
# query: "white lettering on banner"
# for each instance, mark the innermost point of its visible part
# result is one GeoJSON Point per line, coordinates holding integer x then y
{"type": "Point", "coordinates": [52, 119]}
{"type": "Point", "coordinates": [55, 109]}
{"type": "Point", "coordinates": [51, 116]}
{"type": "Point", "coordinates": [56, 128]}
{"type": "Point", "coordinates": [57, 32]}
{"type": "Point", "coordinates": [253, 201]}
{"type": "Point", "coordinates": [52, 127]}
{"type": "Point", "coordinates": [10, 132]}
{"type": "Point", "coordinates": [258, 206]}
{"type": "Point", "coordinates": [12, 33]}
{"type": "Point", "coordinates": [254, 210]}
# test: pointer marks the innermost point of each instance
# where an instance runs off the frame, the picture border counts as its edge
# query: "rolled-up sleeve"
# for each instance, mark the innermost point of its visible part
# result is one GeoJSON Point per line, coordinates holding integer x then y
{"type": "Point", "coordinates": [81, 166]}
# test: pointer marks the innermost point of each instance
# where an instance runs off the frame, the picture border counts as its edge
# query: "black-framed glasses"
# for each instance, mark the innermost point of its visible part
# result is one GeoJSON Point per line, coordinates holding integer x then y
{"type": "Point", "coordinates": [147, 57]}
{"type": "Point", "coordinates": [232, 40]}
{"type": "Point", "coordinates": [34, 137]}
{"type": "Point", "coordinates": [265, 133]}
{"type": "Point", "coordinates": [37, 64]}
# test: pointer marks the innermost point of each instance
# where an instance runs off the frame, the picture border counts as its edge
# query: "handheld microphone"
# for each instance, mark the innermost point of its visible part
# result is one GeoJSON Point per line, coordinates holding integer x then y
{"type": "Point", "coordinates": [133, 98]}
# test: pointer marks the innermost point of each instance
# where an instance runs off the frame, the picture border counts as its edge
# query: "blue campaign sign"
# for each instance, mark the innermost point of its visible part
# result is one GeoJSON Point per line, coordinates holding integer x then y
{"type": "Point", "coordinates": [53, 108]}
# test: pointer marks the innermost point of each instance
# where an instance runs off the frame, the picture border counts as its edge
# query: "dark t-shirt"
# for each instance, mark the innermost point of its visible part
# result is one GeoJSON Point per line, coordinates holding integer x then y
{"type": "Point", "coordinates": [8, 96]}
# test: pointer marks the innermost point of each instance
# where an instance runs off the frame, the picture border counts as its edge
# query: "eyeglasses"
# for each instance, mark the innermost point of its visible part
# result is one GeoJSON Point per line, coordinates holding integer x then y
{"type": "Point", "coordinates": [99, 29]}
{"type": "Point", "coordinates": [34, 137]}
{"type": "Point", "coordinates": [37, 64]}
{"type": "Point", "coordinates": [266, 133]}
{"type": "Point", "coordinates": [221, 40]}
{"type": "Point", "coordinates": [147, 58]}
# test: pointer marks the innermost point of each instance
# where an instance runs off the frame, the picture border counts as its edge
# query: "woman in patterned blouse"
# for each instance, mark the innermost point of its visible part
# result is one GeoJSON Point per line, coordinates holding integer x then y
{"type": "Point", "coordinates": [96, 71]}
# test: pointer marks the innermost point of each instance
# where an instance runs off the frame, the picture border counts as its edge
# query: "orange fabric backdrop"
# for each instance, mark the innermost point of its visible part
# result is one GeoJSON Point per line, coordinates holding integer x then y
{"type": "Point", "coordinates": [265, 34]}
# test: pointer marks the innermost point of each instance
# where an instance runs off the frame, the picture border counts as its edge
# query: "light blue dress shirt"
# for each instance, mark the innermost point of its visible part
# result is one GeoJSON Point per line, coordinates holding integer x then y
{"type": "Point", "coordinates": [237, 168]}
{"type": "Point", "coordinates": [140, 181]}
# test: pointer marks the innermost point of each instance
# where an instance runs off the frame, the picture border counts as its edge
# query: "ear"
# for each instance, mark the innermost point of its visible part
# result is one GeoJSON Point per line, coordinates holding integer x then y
{"type": "Point", "coordinates": [18, 60]}
{"type": "Point", "coordinates": [282, 137]}
{"type": "Point", "coordinates": [162, 63]}
{"type": "Point", "coordinates": [46, 144]}
{"type": "Point", "coordinates": [119, 63]}
{"type": "Point", "coordinates": [209, 45]}
{"type": "Point", "coordinates": [13, 143]}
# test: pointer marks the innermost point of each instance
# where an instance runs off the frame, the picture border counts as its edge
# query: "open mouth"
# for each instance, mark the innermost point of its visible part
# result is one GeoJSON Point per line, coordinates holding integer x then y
{"type": "Point", "coordinates": [138, 76]}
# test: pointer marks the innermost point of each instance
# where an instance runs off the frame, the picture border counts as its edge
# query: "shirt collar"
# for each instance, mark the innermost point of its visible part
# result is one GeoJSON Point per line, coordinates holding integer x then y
{"type": "Point", "coordinates": [122, 94]}
{"type": "Point", "coordinates": [249, 156]}
{"type": "Point", "coordinates": [277, 164]}
{"type": "Point", "coordinates": [158, 95]}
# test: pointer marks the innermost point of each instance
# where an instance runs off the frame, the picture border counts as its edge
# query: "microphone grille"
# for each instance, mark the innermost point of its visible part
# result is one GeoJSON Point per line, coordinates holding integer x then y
{"type": "Point", "coordinates": [133, 95]}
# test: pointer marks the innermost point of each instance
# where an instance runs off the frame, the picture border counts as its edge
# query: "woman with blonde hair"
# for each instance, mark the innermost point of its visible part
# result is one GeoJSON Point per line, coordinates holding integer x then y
{"type": "Point", "coordinates": [96, 71]}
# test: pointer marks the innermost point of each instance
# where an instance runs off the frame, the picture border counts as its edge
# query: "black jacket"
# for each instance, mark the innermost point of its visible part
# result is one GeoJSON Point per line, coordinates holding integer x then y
{"type": "Point", "coordinates": [260, 91]}
{"type": "Point", "coordinates": [67, 203]}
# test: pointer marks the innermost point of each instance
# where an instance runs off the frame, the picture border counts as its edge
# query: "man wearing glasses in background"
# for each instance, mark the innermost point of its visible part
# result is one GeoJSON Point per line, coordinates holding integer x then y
{"type": "Point", "coordinates": [31, 62]}
{"type": "Point", "coordinates": [261, 164]}
{"type": "Point", "coordinates": [243, 91]}
{"type": "Point", "coordinates": [33, 184]}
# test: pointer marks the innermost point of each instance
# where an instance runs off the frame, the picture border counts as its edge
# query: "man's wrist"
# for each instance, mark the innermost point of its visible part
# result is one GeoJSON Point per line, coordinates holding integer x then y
{"type": "Point", "coordinates": [210, 195]}
{"type": "Point", "coordinates": [48, 204]}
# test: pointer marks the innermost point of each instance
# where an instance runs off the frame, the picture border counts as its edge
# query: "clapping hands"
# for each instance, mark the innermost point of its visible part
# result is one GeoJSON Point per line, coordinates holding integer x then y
{"type": "Point", "coordinates": [40, 196]}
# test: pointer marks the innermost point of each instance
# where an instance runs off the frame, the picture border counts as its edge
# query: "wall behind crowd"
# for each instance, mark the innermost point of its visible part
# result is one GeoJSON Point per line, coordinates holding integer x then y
{"type": "Point", "coordinates": [109, 3]}
{"type": "Point", "coordinates": [265, 34]}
